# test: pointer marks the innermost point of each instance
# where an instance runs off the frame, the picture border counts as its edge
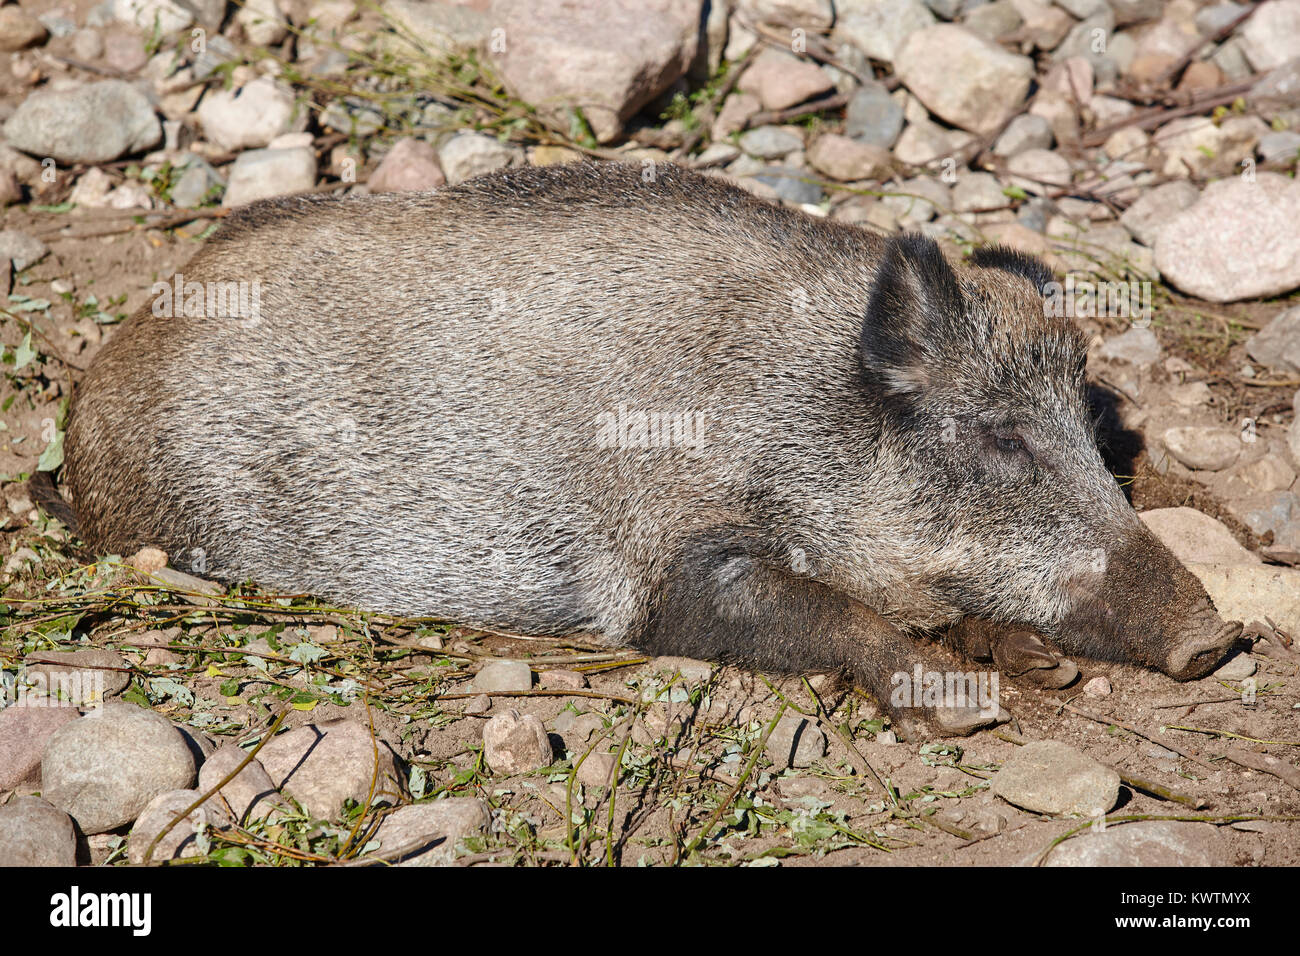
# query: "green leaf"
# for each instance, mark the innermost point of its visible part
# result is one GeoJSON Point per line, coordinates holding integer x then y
{"type": "Point", "coordinates": [1014, 192]}
{"type": "Point", "coordinates": [52, 457]}
{"type": "Point", "coordinates": [24, 353]}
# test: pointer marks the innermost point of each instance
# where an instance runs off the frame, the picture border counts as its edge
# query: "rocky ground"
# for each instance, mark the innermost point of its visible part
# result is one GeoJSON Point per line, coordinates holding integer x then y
{"type": "Point", "coordinates": [1152, 146]}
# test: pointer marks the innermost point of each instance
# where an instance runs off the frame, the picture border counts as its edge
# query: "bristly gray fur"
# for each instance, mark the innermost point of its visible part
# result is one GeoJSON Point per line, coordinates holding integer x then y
{"type": "Point", "coordinates": [419, 419]}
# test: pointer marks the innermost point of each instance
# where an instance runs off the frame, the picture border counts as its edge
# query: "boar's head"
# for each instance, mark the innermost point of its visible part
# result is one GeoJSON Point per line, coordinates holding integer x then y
{"type": "Point", "coordinates": [984, 407]}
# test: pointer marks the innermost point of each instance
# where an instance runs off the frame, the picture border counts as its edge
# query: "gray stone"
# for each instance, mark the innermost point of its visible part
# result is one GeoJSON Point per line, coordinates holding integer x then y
{"type": "Point", "coordinates": [1039, 171]}
{"type": "Point", "coordinates": [963, 78]}
{"type": "Point", "coordinates": [977, 191]}
{"type": "Point", "coordinates": [25, 727]}
{"type": "Point", "coordinates": [21, 249]}
{"type": "Point", "coordinates": [322, 765]}
{"type": "Point", "coordinates": [1271, 36]}
{"type": "Point", "coordinates": [263, 22]}
{"type": "Point", "coordinates": [183, 839]}
{"type": "Point", "coordinates": [103, 769]}
{"type": "Point", "coordinates": [251, 795]}
{"type": "Point", "coordinates": [1237, 668]}
{"type": "Point", "coordinates": [467, 155]}
{"type": "Point", "coordinates": [516, 743]}
{"type": "Point", "coordinates": [197, 182]}
{"type": "Point", "coordinates": [873, 116]}
{"type": "Point", "coordinates": [1238, 241]}
{"type": "Point", "coordinates": [496, 676]}
{"type": "Point", "coordinates": [1155, 207]}
{"type": "Point", "coordinates": [1026, 131]}
{"type": "Point", "coordinates": [1144, 843]}
{"type": "Point", "coordinates": [19, 29]}
{"type": "Point", "coordinates": [1280, 89]}
{"type": "Point", "coordinates": [598, 770]}
{"type": "Point", "coordinates": [1277, 345]}
{"type": "Point", "coordinates": [96, 123]}
{"type": "Point", "coordinates": [994, 19]}
{"type": "Point", "coordinates": [77, 677]}
{"type": "Point", "coordinates": [1283, 145]}
{"type": "Point", "coordinates": [411, 165]}
{"type": "Point", "coordinates": [1251, 592]}
{"type": "Point", "coordinates": [1097, 687]}
{"type": "Point", "coordinates": [879, 28]}
{"type": "Point", "coordinates": [1269, 512]}
{"type": "Point", "coordinates": [770, 142]}
{"type": "Point", "coordinates": [1203, 448]}
{"type": "Point", "coordinates": [1047, 776]}
{"type": "Point", "coordinates": [796, 742]}
{"type": "Point", "coordinates": [442, 27]}
{"type": "Point", "coordinates": [691, 670]}
{"type": "Point", "coordinates": [352, 117]}
{"type": "Point", "coordinates": [1195, 537]}
{"type": "Point", "coordinates": [34, 833]}
{"type": "Point", "coordinates": [1137, 346]}
{"type": "Point", "coordinates": [780, 80]}
{"type": "Point", "coordinates": [168, 15]}
{"type": "Point", "coordinates": [431, 834]}
{"type": "Point", "coordinates": [250, 116]}
{"type": "Point", "coordinates": [792, 185]}
{"type": "Point", "coordinates": [265, 173]}
{"type": "Point", "coordinates": [918, 200]}
{"type": "Point", "coordinates": [217, 52]}
{"type": "Point", "coordinates": [611, 57]}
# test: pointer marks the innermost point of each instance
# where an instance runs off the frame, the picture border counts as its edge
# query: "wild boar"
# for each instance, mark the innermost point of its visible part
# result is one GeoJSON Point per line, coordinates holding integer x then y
{"type": "Point", "coordinates": [638, 402]}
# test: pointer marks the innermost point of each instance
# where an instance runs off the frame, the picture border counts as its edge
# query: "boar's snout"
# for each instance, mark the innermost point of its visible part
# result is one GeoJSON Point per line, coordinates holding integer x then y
{"type": "Point", "coordinates": [1144, 606]}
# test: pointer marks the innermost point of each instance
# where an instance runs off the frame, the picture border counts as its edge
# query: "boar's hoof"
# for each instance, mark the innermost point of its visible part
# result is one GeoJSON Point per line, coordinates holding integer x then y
{"type": "Point", "coordinates": [950, 722]}
{"type": "Point", "coordinates": [1197, 655]}
{"type": "Point", "coordinates": [1054, 678]}
{"type": "Point", "coordinates": [1022, 654]}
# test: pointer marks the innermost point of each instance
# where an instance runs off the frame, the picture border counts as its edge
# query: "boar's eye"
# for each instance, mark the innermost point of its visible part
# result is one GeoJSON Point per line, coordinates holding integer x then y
{"type": "Point", "coordinates": [1009, 442]}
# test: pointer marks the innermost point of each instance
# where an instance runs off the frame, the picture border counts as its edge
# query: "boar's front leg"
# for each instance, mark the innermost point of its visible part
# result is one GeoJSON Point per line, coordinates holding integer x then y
{"type": "Point", "coordinates": [1015, 650]}
{"type": "Point", "coordinates": [725, 604]}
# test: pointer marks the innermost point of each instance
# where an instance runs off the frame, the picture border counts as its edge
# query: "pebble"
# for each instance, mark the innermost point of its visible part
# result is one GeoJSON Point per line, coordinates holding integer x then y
{"type": "Point", "coordinates": [516, 743]}
{"type": "Point", "coordinates": [562, 680]}
{"type": "Point", "coordinates": [792, 185]}
{"type": "Point", "coordinates": [1277, 345]}
{"type": "Point", "coordinates": [1237, 668]}
{"type": "Point", "coordinates": [1237, 241]}
{"type": "Point", "coordinates": [77, 677]}
{"type": "Point", "coordinates": [770, 142]}
{"type": "Point", "coordinates": [250, 116]}
{"type": "Point", "coordinates": [1195, 537]}
{"type": "Point", "coordinates": [879, 28]}
{"type": "Point", "coordinates": [19, 30]}
{"type": "Point", "coordinates": [1137, 346]}
{"type": "Point", "coordinates": [873, 116]}
{"type": "Point", "coordinates": [1097, 687]}
{"type": "Point", "coordinates": [497, 676]}
{"type": "Point", "coordinates": [1025, 132]}
{"type": "Point", "coordinates": [321, 765]}
{"type": "Point", "coordinates": [796, 742]}
{"type": "Point", "coordinates": [597, 770]}
{"type": "Point", "coordinates": [103, 769]}
{"type": "Point", "coordinates": [20, 248]}
{"type": "Point", "coordinates": [1146, 843]}
{"type": "Point", "coordinates": [1047, 776]}
{"type": "Point", "coordinates": [435, 831]}
{"type": "Point", "coordinates": [34, 833]}
{"type": "Point", "coordinates": [95, 123]}
{"type": "Point", "coordinates": [1157, 206]}
{"type": "Point", "coordinates": [1038, 171]}
{"type": "Point", "coordinates": [1271, 36]}
{"type": "Point", "coordinates": [183, 839]}
{"type": "Point", "coordinates": [251, 795]}
{"type": "Point", "coordinates": [1203, 448]}
{"type": "Point", "coordinates": [963, 78]}
{"type": "Point", "coordinates": [410, 166]}
{"type": "Point", "coordinates": [847, 160]}
{"type": "Point", "coordinates": [25, 728]}
{"type": "Point", "coordinates": [781, 80]}
{"type": "Point", "coordinates": [266, 173]}
{"type": "Point", "coordinates": [467, 155]}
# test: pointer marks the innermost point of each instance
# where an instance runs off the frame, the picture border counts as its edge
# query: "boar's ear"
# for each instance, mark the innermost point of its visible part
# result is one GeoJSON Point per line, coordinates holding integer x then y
{"type": "Point", "coordinates": [915, 295]}
{"type": "Point", "coordinates": [1015, 262]}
